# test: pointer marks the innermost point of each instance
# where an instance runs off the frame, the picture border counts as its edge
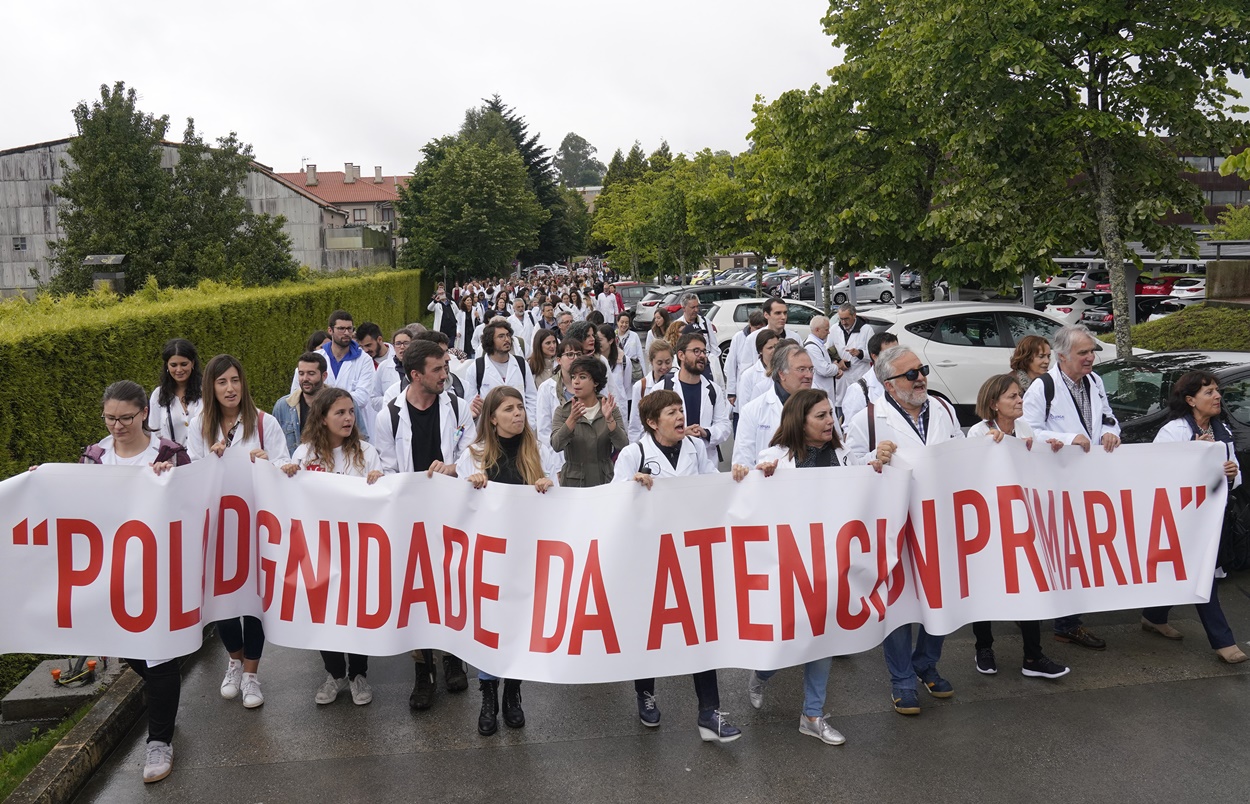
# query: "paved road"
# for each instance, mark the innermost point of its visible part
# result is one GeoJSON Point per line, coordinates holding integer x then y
{"type": "Point", "coordinates": [1147, 721]}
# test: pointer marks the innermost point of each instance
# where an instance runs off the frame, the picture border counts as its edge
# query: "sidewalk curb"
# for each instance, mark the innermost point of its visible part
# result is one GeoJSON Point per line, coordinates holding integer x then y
{"type": "Point", "coordinates": [71, 763]}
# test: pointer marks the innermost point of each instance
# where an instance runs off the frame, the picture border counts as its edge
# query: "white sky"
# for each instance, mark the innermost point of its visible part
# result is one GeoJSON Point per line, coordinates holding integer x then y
{"type": "Point", "coordinates": [371, 83]}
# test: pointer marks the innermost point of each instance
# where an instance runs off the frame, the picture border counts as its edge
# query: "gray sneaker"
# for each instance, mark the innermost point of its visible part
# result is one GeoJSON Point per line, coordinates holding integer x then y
{"type": "Point", "coordinates": [755, 690]}
{"type": "Point", "coordinates": [159, 763]}
{"type": "Point", "coordinates": [820, 729]}
{"type": "Point", "coordinates": [362, 693]}
{"type": "Point", "coordinates": [329, 690]}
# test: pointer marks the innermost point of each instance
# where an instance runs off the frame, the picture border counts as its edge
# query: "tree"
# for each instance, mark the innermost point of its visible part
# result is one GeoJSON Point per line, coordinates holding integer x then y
{"type": "Point", "coordinates": [627, 169]}
{"type": "Point", "coordinates": [575, 162]}
{"type": "Point", "coordinates": [192, 225]}
{"type": "Point", "coordinates": [1234, 224]}
{"type": "Point", "coordinates": [469, 208]}
{"type": "Point", "coordinates": [114, 195]}
{"type": "Point", "coordinates": [1097, 97]}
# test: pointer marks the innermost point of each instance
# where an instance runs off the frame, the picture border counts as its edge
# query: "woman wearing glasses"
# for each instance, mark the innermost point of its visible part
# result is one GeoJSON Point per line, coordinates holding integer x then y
{"type": "Point", "coordinates": [130, 443]}
{"type": "Point", "coordinates": [231, 421]}
{"type": "Point", "coordinates": [553, 393]}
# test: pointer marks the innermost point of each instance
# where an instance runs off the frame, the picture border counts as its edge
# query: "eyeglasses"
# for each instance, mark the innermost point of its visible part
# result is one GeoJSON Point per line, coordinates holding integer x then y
{"type": "Point", "coordinates": [344, 329]}
{"type": "Point", "coordinates": [124, 420]}
{"type": "Point", "coordinates": [696, 352]}
{"type": "Point", "coordinates": [912, 375]}
{"type": "Point", "coordinates": [572, 353]}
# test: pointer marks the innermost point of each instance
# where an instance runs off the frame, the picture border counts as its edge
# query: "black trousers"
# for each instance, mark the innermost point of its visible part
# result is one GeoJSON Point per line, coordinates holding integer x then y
{"type": "Point", "coordinates": [247, 635]}
{"type": "Point", "coordinates": [347, 665]}
{"type": "Point", "coordinates": [705, 688]}
{"type": "Point", "coordinates": [162, 685]}
{"type": "Point", "coordinates": [1030, 632]}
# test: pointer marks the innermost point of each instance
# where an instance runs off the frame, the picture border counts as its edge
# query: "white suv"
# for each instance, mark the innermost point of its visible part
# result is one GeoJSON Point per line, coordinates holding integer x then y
{"type": "Point", "coordinates": [965, 343]}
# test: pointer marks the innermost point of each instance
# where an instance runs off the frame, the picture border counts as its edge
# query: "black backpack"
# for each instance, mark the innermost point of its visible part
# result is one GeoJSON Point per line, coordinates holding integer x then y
{"type": "Point", "coordinates": [481, 369]}
{"type": "Point", "coordinates": [394, 409]}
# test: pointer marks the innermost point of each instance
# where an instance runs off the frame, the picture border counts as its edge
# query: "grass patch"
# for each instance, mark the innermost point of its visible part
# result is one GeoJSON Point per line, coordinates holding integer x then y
{"type": "Point", "coordinates": [17, 764]}
{"type": "Point", "coordinates": [1196, 327]}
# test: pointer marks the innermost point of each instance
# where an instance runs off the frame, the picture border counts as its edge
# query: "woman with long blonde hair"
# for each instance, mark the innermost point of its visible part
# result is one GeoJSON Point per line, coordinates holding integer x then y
{"type": "Point", "coordinates": [505, 451]}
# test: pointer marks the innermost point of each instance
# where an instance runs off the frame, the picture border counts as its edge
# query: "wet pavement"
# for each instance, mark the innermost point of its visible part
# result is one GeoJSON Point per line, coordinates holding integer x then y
{"type": "Point", "coordinates": [1147, 720]}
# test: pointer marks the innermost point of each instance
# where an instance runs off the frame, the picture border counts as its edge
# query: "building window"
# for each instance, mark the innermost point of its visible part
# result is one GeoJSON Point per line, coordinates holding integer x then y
{"type": "Point", "coordinates": [19, 244]}
{"type": "Point", "coordinates": [388, 214]}
{"type": "Point", "coordinates": [737, 262]}
{"type": "Point", "coordinates": [1199, 163]}
{"type": "Point", "coordinates": [1223, 197]}
{"type": "Point", "coordinates": [360, 214]}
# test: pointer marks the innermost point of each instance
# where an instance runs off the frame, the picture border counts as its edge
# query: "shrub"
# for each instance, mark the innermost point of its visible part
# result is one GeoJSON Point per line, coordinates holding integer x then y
{"type": "Point", "coordinates": [56, 357]}
{"type": "Point", "coordinates": [1197, 327]}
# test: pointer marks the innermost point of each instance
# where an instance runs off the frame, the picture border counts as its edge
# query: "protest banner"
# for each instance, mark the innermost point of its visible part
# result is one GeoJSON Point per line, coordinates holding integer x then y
{"type": "Point", "coordinates": [602, 584]}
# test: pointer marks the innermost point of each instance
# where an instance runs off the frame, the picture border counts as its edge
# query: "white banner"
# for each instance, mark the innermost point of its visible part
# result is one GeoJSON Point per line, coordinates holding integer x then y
{"type": "Point", "coordinates": [603, 584]}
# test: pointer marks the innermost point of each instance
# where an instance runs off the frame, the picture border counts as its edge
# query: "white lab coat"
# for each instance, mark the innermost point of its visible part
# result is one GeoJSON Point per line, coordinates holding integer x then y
{"type": "Point", "coordinates": [516, 373]}
{"type": "Point", "coordinates": [633, 421]}
{"type": "Point", "coordinates": [551, 396]}
{"type": "Point", "coordinates": [717, 424]}
{"type": "Point", "coordinates": [741, 353]}
{"type": "Point", "coordinates": [1179, 430]}
{"type": "Point", "coordinates": [853, 400]}
{"type": "Point", "coordinates": [456, 432]}
{"type": "Point", "coordinates": [693, 460]}
{"type": "Point", "coordinates": [842, 342]}
{"type": "Point", "coordinates": [825, 370]}
{"type": "Point", "coordinates": [943, 425]}
{"type": "Point", "coordinates": [1064, 422]}
{"type": "Point", "coordinates": [267, 436]}
{"type": "Point", "coordinates": [171, 422]}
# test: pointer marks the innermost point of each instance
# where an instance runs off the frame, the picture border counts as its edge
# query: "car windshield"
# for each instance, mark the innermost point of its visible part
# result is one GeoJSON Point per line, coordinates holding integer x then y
{"type": "Point", "coordinates": [1140, 387]}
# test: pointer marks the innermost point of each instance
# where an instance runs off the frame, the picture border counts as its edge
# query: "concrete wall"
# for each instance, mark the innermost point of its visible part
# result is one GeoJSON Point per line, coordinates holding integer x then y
{"type": "Point", "coordinates": [1228, 279]}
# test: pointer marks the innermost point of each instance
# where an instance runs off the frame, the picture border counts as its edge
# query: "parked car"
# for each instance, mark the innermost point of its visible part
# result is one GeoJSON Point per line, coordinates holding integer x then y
{"type": "Point", "coordinates": [1087, 280]}
{"type": "Point", "coordinates": [633, 292]}
{"type": "Point", "coordinates": [1068, 307]}
{"type": "Point", "coordinates": [1190, 288]}
{"type": "Point", "coordinates": [730, 316]}
{"type": "Point", "coordinates": [644, 310]}
{"type": "Point", "coordinates": [867, 288]}
{"type": "Point", "coordinates": [965, 343]}
{"type": "Point", "coordinates": [773, 281]}
{"type": "Point", "coordinates": [1102, 317]}
{"type": "Point", "coordinates": [1042, 297]}
{"type": "Point", "coordinates": [910, 279]}
{"type": "Point", "coordinates": [1138, 391]}
{"type": "Point", "coordinates": [707, 294]}
{"type": "Point", "coordinates": [1167, 306]}
{"type": "Point", "coordinates": [1145, 286]}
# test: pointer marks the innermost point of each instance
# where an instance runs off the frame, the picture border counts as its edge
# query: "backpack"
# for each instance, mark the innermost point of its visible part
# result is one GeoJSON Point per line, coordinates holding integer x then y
{"type": "Point", "coordinates": [1048, 388]}
{"type": "Point", "coordinates": [1234, 552]}
{"type": "Point", "coordinates": [167, 450]}
{"type": "Point", "coordinates": [669, 380]}
{"type": "Point", "coordinates": [872, 419]}
{"type": "Point", "coordinates": [394, 409]}
{"type": "Point", "coordinates": [481, 370]}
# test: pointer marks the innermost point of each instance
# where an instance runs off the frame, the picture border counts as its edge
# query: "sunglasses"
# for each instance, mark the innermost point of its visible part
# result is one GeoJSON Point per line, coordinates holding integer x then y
{"type": "Point", "coordinates": [911, 376]}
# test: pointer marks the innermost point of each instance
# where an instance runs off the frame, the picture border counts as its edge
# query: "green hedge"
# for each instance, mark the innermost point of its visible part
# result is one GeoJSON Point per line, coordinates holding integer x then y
{"type": "Point", "coordinates": [1196, 327]}
{"type": "Point", "coordinates": [56, 357]}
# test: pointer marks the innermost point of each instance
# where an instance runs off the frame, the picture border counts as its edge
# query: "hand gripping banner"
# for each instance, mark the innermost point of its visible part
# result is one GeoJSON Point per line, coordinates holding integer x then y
{"type": "Point", "coordinates": [603, 584]}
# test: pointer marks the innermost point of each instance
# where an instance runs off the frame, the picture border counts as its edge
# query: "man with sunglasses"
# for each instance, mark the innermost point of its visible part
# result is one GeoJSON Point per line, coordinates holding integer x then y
{"type": "Point", "coordinates": [909, 418]}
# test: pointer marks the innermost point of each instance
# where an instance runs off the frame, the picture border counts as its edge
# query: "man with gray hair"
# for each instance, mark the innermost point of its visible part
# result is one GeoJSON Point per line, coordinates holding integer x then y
{"type": "Point", "coordinates": [1069, 404]}
{"type": "Point", "coordinates": [849, 338]}
{"type": "Point", "coordinates": [826, 369]}
{"type": "Point", "coordinates": [909, 418]}
{"type": "Point", "coordinates": [695, 323]}
{"type": "Point", "coordinates": [791, 371]}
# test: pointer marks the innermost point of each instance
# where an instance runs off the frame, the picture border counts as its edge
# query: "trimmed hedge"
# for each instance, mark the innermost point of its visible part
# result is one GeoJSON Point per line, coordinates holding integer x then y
{"type": "Point", "coordinates": [1196, 327]}
{"type": "Point", "coordinates": [56, 357]}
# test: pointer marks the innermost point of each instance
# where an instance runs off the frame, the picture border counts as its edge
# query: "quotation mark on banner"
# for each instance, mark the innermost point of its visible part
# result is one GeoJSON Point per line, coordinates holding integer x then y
{"type": "Point", "coordinates": [1195, 494]}
{"type": "Point", "coordinates": [21, 537]}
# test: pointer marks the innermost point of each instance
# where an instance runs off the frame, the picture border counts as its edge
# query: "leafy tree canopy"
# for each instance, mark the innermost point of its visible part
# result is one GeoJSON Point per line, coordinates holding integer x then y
{"type": "Point", "coordinates": [576, 163]}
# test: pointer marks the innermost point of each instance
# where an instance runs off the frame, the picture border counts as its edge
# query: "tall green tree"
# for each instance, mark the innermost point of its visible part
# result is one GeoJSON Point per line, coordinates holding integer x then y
{"type": "Point", "coordinates": [576, 163]}
{"type": "Point", "coordinates": [469, 207]}
{"type": "Point", "coordinates": [1233, 224]}
{"type": "Point", "coordinates": [114, 196]}
{"type": "Point", "coordinates": [181, 226]}
{"type": "Point", "coordinates": [1097, 97]}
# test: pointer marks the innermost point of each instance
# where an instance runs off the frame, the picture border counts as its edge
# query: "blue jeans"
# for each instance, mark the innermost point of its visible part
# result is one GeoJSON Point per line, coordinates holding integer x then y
{"type": "Point", "coordinates": [1219, 634]}
{"type": "Point", "coordinates": [903, 662]}
{"type": "Point", "coordinates": [815, 681]}
{"type": "Point", "coordinates": [1069, 623]}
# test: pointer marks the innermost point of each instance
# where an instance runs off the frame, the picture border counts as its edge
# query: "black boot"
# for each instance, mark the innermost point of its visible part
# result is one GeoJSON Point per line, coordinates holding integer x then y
{"type": "Point", "coordinates": [453, 674]}
{"type": "Point", "coordinates": [423, 693]}
{"type": "Point", "coordinates": [513, 715]}
{"type": "Point", "coordinates": [487, 721]}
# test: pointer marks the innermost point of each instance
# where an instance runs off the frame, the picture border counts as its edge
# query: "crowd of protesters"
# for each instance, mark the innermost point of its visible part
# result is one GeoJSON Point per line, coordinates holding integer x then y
{"type": "Point", "coordinates": [544, 382]}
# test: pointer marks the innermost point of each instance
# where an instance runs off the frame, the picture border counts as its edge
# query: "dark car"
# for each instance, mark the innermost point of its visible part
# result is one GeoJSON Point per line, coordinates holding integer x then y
{"type": "Point", "coordinates": [1102, 319]}
{"type": "Point", "coordinates": [772, 282]}
{"type": "Point", "coordinates": [1138, 390]}
{"type": "Point", "coordinates": [707, 294]}
{"type": "Point", "coordinates": [633, 292]}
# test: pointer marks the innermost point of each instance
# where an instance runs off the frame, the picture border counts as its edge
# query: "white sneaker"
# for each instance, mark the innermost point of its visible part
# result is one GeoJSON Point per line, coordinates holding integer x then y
{"type": "Point", "coordinates": [821, 730]}
{"type": "Point", "coordinates": [159, 763]}
{"type": "Point", "coordinates": [233, 680]}
{"type": "Point", "coordinates": [252, 696]}
{"type": "Point", "coordinates": [755, 690]}
{"type": "Point", "coordinates": [329, 690]}
{"type": "Point", "coordinates": [362, 693]}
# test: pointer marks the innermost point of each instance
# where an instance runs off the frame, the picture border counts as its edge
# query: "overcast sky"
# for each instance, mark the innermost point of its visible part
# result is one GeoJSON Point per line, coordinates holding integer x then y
{"type": "Point", "coordinates": [371, 83]}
